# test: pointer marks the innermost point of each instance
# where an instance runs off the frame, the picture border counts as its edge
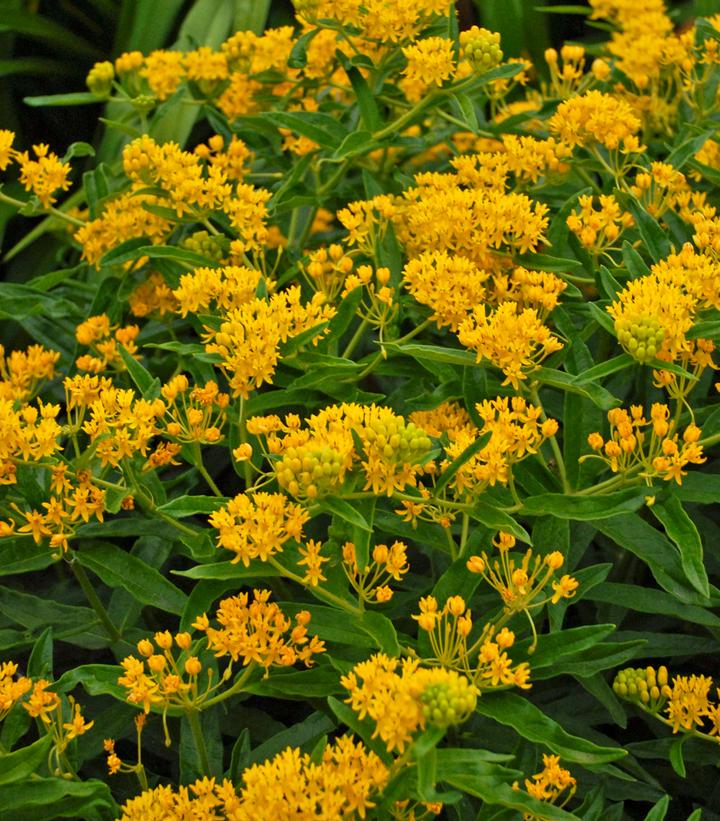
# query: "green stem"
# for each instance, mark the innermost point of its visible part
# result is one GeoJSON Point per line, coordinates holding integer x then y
{"type": "Point", "coordinates": [317, 591]}
{"type": "Point", "coordinates": [231, 691]}
{"type": "Point", "coordinates": [150, 507]}
{"type": "Point", "coordinates": [242, 432]}
{"type": "Point", "coordinates": [200, 465]}
{"type": "Point", "coordinates": [535, 396]}
{"type": "Point", "coordinates": [94, 601]}
{"type": "Point", "coordinates": [51, 209]}
{"type": "Point", "coordinates": [193, 719]}
{"type": "Point", "coordinates": [357, 336]}
{"type": "Point", "coordinates": [464, 532]}
{"type": "Point", "coordinates": [407, 117]}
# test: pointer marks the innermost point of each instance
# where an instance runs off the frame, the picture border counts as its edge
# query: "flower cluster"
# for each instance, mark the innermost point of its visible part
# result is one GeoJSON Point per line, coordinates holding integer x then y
{"type": "Point", "coordinates": [401, 697]}
{"type": "Point", "coordinates": [484, 659]}
{"type": "Point", "coordinates": [551, 784]}
{"type": "Point", "coordinates": [630, 451]}
{"type": "Point", "coordinates": [684, 703]}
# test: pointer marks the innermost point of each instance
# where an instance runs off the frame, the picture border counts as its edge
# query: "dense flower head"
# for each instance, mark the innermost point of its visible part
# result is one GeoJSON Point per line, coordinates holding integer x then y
{"type": "Point", "coordinates": [401, 697]}
{"type": "Point", "coordinates": [44, 175]}
{"type": "Point", "coordinates": [257, 526]}
{"type": "Point", "coordinates": [429, 61]}
{"type": "Point", "coordinates": [439, 214]}
{"type": "Point", "coordinates": [248, 340]}
{"type": "Point", "coordinates": [596, 117]}
{"type": "Point", "coordinates": [256, 630]}
{"type": "Point", "coordinates": [12, 687]}
{"type": "Point", "coordinates": [22, 372]}
{"type": "Point", "coordinates": [514, 340]}
{"type": "Point", "coordinates": [450, 285]}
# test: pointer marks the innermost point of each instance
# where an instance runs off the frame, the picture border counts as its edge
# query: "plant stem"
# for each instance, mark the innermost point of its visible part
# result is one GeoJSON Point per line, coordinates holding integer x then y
{"type": "Point", "coordinates": [242, 432]}
{"type": "Point", "coordinates": [193, 719]}
{"type": "Point", "coordinates": [231, 691]}
{"type": "Point", "coordinates": [94, 601]}
{"type": "Point", "coordinates": [317, 591]}
{"type": "Point", "coordinates": [535, 396]}
{"type": "Point", "coordinates": [360, 330]}
{"type": "Point", "coordinates": [200, 465]}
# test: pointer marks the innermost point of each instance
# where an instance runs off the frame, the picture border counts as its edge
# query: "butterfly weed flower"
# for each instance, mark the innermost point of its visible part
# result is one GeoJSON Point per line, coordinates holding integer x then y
{"type": "Point", "coordinates": [194, 414]}
{"type": "Point", "coordinates": [630, 451]}
{"type": "Point", "coordinates": [371, 583]}
{"type": "Point", "coordinates": [599, 230]}
{"type": "Point", "coordinates": [257, 526]}
{"type": "Point", "coordinates": [12, 687]}
{"type": "Point", "coordinates": [401, 698]}
{"type": "Point", "coordinates": [522, 584]}
{"type": "Point", "coordinates": [513, 340]}
{"type": "Point", "coordinates": [23, 372]}
{"type": "Point", "coordinates": [44, 175]}
{"type": "Point", "coordinates": [551, 784]}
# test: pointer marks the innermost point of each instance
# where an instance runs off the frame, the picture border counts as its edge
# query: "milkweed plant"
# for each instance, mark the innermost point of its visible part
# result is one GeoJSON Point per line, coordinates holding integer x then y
{"type": "Point", "coordinates": [357, 451]}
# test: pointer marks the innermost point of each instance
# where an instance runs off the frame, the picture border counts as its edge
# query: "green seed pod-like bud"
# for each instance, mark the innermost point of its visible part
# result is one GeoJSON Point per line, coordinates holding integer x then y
{"type": "Point", "coordinates": [100, 79]}
{"type": "Point", "coordinates": [641, 338]}
{"type": "Point", "coordinates": [481, 48]}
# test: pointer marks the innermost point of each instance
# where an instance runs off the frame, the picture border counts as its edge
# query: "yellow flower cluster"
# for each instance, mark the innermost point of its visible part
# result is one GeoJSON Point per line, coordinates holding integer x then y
{"type": "Point", "coordinates": [511, 338]}
{"type": "Point", "coordinates": [521, 584]}
{"type": "Point", "coordinates": [430, 61]}
{"type": "Point", "coordinates": [551, 784]}
{"type": "Point", "coordinates": [597, 118]}
{"type": "Point", "coordinates": [12, 688]}
{"type": "Point", "coordinates": [450, 285]}
{"type": "Point", "coordinates": [22, 372]}
{"type": "Point", "coordinates": [654, 313]}
{"type": "Point", "coordinates": [121, 425]}
{"type": "Point", "coordinates": [315, 459]}
{"type": "Point", "coordinates": [683, 703]}
{"type": "Point", "coordinates": [342, 784]}
{"type": "Point", "coordinates": [249, 337]}
{"type": "Point", "coordinates": [103, 339]}
{"type": "Point", "coordinates": [379, 20]}
{"type": "Point", "coordinates": [599, 229]}
{"type": "Point", "coordinates": [401, 697]}
{"type": "Point", "coordinates": [228, 287]}
{"type": "Point", "coordinates": [257, 526]}
{"type": "Point", "coordinates": [194, 415]}
{"type": "Point", "coordinates": [629, 451]}
{"type": "Point", "coordinates": [30, 434]}
{"type": "Point", "coordinates": [516, 429]}
{"type": "Point", "coordinates": [484, 661]}
{"type": "Point", "coordinates": [256, 632]}
{"type": "Point", "coordinates": [438, 214]}
{"type": "Point", "coordinates": [182, 184]}
{"type": "Point", "coordinates": [153, 297]}
{"type": "Point", "coordinates": [371, 582]}
{"type": "Point", "coordinates": [44, 175]}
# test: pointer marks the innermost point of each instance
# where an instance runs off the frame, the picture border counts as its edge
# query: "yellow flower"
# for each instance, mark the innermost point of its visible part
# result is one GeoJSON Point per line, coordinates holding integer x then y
{"type": "Point", "coordinates": [43, 175]}
{"type": "Point", "coordinates": [429, 61]}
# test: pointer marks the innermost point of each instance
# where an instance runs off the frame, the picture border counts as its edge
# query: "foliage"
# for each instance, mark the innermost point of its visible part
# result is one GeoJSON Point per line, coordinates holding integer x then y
{"type": "Point", "coordinates": [360, 461]}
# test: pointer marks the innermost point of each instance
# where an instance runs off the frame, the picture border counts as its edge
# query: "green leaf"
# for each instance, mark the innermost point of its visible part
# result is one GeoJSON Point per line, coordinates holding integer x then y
{"type": "Point", "coordinates": [317, 126]}
{"type": "Point", "coordinates": [363, 729]}
{"type": "Point", "coordinates": [47, 799]}
{"type": "Point", "coordinates": [531, 723]}
{"type": "Point", "coordinates": [465, 108]}
{"type": "Point", "coordinates": [681, 529]}
{"type": "Point", "coordinates": [369, 112]}
{"type": "Point", "coordinates": [22, 555]}
{"type": "Point", "coordinates": [650, 600]}
{"type": "Point", "coordinates": [25, 761]}
{"type": "Point", "coordinates": [146, 383]}
{"type": "Point", "coordinates": [677, 760]}
{"type": "Point", "coordinates": [659, 811]}
{"type": "Point", "coordinates": [634, 262]}
{"type": "Point", "coordinates": [432, 353]}
{"type": "Point", "coordinates": [496, 519]}
{"type": "Point", "coordinates": [228, 570]}
{"type": "Point", "coordinates": [117, 568]}
{"type": "Point", "coordinates": [572, 384]}
{"type": "Point", "coordinates": [40, 27]}
{"type": "Point", "coordinates": [185, 506]}
{"type": "Point", "coordinates": [617, 363]}
{"type": "Point", "coordinates": [381, 630]}
{"type": "Point", "coordinates": [602, 317]}
{"type": "Point", "coordinates": [654, 238]}
{"type": "Point", "coordinates": [460, 460]}
{"type": "Point", "coordinates": [298, 53]}
{"type": "Point", "coordinates": [586, 508]}
{"type": "Point", "coordinates": [73, 99]}
{"type": "Point", "coordinates": [631, 533]}
{"type": "Point", "coordinates": [344, 510]}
